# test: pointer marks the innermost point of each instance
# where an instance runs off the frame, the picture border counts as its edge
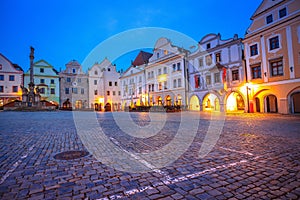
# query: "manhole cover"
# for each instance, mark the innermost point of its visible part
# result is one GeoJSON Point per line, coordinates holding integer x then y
{"type": "Point", "coordinates": [70, 155]}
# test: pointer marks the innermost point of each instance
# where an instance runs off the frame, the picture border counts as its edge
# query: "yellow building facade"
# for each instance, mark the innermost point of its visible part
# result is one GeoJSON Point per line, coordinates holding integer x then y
{"type": "Point", "coordinates": [272, 54]}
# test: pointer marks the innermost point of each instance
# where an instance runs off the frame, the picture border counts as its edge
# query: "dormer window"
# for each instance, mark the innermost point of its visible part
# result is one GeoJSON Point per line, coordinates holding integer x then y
{"type": "Point", "coordinates": [41, 70]}
{"type": "Point", "coordinates": [208, 46]}
{"type": "Point", "coordinates": [282, 12]}
{"type": "Point", "coordinates": [157, 55]}
{"type": "Point", "coordinates": [73, 70]}
{"type": "Point", "coordinates": [96, 72]}
{"type": "Point", "coordinates": [108, 69]}
{"type": "Point", "coordinates": [269, 19]}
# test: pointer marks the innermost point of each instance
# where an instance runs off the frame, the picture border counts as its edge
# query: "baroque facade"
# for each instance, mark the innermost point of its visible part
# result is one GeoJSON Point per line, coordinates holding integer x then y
{"type": "Point", "coordinates": [104, 87]}
{"type": "Point", "coordinates": [47, 79]}
{"type": "Point", "coordinates": [11, 78]}
{"type": "Point", "coordinates": [216, 74]}
{"type": "Point", "coordinates": [272, 47]}
{"type": "Point", "coordinates": [74, 87]}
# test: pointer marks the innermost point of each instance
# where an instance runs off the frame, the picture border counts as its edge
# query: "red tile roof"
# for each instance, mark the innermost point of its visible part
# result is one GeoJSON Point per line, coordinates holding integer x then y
{"type": "Point", "coordinates": [142, 58]}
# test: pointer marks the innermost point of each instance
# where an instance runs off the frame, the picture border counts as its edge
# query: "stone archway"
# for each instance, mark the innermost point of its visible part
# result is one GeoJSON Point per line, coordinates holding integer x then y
{"type": "Point", "coordinates": [295, 102]}
{"type": "Point", "coordinates": [271, 104]}
{"type": "Point", "coordinates": [211, 102]}
{"type": "Point", "coordinates": [194, 103]}
{"type": "Point", "coordinates": [168, 100]}
{"type": "Point", "coordinates": [235, 102]}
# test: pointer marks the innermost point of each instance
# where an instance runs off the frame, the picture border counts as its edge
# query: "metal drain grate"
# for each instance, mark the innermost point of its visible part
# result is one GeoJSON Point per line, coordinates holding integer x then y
{"type": "Point", "coordinates": [70, 155]}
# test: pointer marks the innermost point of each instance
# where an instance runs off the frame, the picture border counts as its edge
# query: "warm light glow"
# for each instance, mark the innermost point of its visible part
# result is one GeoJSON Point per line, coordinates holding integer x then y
{"type": "Point", "coordinates": [231, 103]}
{"type": "Point", "coordinates": [101, 100]}
{"type": "Point", "coordinates": [162, 78]}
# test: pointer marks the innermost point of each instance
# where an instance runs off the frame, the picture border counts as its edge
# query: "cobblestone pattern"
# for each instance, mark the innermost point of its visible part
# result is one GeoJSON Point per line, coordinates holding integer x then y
{"type": "Point", "coordinates": [256, 157]}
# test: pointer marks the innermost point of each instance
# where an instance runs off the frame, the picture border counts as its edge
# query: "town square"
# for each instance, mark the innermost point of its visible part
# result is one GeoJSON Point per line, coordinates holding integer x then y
{"type": "Point", "coordinates": [150, 100]}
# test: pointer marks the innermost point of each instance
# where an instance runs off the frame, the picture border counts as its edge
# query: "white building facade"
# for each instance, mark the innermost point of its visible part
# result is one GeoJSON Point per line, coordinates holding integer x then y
{"type": "Point", "coordinates": [104, 87]}
{"type": "Point", "coordinates": [216, 74]}
{"type": "Point", "coordinates": [11, 77]}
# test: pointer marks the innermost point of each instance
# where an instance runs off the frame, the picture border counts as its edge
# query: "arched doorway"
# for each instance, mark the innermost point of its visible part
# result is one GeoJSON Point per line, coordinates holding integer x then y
{"type": "Point", "coordinates": [194, 103]}
{"type": "Point", "coordinates": [211, 103]}
{"type": "Point", "coordinates": [78, 104]}
{"type": "Point", "coordinates": [159, 100]}
{"type": "Point", "coordinates": [96, 106]}
{"type": "Point", "coordinates": [271, 104]}
{"type": "Point", "coordinates": [107, 107]}
{"type": "Point", "coordinates": [257, 104]}
{"type": "Point", "coordinates": [235, 102]}
{"type": "Point", "coordinates": [168, 101]}
{"type": "Point", "coordinates": [295, 102]}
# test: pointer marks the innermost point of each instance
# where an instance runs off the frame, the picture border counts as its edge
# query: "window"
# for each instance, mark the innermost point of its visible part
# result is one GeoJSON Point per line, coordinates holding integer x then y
{"type": "Point", "coordinates": [52, 91]}
{"type": "Point", "coordinates": [165, 85]}
{"type": "Point", "coordinates": [95, 92]}
{"type": "Point", "coordinates": [15, 88]}
{"type": "Point", "coordinates": [140, 79]}
{"type": "Point", "coordinates": [282, 12]}
{"type": "Point", "coordinates": [152, 74]}
{"type": "Point", "coordinates": [114, 93]}
{"type": "Point", "coordinates": [140, 90]}
{"type": "Point", "coordinates": [1, 88]}
{"type": "Point", "coordinates": [276, 67]}
{"type": "Point", "coordinates": [149, 88]}
{"type": "Point", "coordinates": [95, 82]}
{"type": "Point", "coordinates": [217, 77]}
{"type": "Point", "coordinates": [79, 80]}
{"type": "Point", "coordinates": [42, 80]}
{"type": "Point", "coordinates": [67, 91]}
{"type": "Point", "coordinates": [82, 90]}
{"type": "Point", "coordinates": [68, 80]}
{"type": "Point", "coordinates": [235, 75]}
{"type": "Point", "coordinates": [149, 75]}
{"type": "Point", "coordinates": [269, 19]}
{"type": "Point", "coordinates": [166, 52]}
{"type": "Point", "coordinates": [274, 43]}
{"type": "Point", "coordinates": [253, 50]}
{"type": "Point", "coordinates": [174, 83]}
{"type": "Point", "coordinates": [11, 78]}
{"type": "Point", "coordinates": [119, 93]}
{"type": "Point", "coordinates": [256, 71]}
{"type": "Point", "coordinates": [208, 80]}
{"type": "Point", "coordinates": [197, 81]}
{"type": "Point", "coordinates": [108, 69]}
{"type": "Point", "coordinates": [1, 77]}
{"type": "Point", "coordinates": [74, 70]}
{"type": "Point", "coordinates": [178, 67]}
{"type": "Point", "coordinates": [174, 67]}
{"type": "Point", "coordinates": [160, 86]}
{"type": "Point", "coordinates": [159, 71]}
{"type": "Point", "coordinates": [208, 46]}
{"type": "Point", "coordinates": [152, 87]}
{"type": "Point", "coordinates": [208, 59]}
{"type": "Point", "coordinates": [42, 90]}
{"type": "Point", "coordinates": [201, 62]}
{"type": "Point", "coordinates": [96, 72]}
{"type": "Point", "coordinates": [157, 55]}
{"type": "Point", "coordinates": [74, 90]}
{"type": "Point", "coordinates": [52, 81]}
{"type": "Point", "coordinates": [107, 93]}
{"type": "Point", "coordinates": [165, 70]}
{"type": "Point", "coordinates": [0, 66]}
{"type": "Point", "coordinates": [110, 83]}
{"type": "Point", "coordinates": [218, 57]}
{"type": "Point", "coordinates": [116, 83]}
{"type": "Point", "coordinates": [41, 70]}
{"type": "Point", "coordinates": [179, 82]}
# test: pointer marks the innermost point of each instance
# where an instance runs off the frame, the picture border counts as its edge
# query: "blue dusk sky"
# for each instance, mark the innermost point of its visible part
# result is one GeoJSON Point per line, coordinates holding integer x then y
{"type": "Point", "coordinates": [64, 30]}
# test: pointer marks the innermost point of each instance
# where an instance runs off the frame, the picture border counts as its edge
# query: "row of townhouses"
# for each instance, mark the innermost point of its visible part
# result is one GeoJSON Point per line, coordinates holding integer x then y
{"type": "Point", "coordinates": [260, 73]}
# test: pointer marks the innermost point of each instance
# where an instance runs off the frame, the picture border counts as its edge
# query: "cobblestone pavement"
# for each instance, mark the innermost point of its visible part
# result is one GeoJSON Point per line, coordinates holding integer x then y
{"type": "Point", "coordinates": [256, 157]}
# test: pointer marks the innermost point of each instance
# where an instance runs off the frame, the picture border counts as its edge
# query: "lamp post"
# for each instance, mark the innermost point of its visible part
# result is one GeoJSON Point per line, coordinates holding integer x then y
{"type": "Point", "coordinates": [247, 92]}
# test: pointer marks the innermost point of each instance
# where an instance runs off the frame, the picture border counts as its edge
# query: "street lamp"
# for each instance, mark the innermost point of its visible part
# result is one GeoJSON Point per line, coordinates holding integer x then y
{"type": "Point", "coordinates": [247, 92]}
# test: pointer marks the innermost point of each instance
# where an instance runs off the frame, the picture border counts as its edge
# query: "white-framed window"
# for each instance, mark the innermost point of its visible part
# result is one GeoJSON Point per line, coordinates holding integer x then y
{"type": "Point", "coordinates": [269, 19]}
{"type": "Point", "coordinates": [179, 82]}
{"type": "Point", "coordinates": [235, 75]}
{"type": "Point", "coordinates": [276, 67]}
{"type": "Point", "coordinates": [282, 12]}
{"type": "Point", "coordinates": [254, 49]}
{"type": "Point", "coordinates": [201, 62]}
{"type": "Point", "coordinates": [217, 77]}
{"type": "Point", "coordinates": [274, 42]}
